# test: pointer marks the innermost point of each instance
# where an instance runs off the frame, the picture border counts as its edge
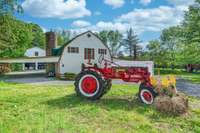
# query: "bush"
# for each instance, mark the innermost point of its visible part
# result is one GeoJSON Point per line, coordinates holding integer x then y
{"type": "Point", "coordinates": [70, 76]}
{"type": "Point", "coordinates": [4, 69]}
{"type": "Point", "coordinates": [16, 67]}
{"type": "Point", "coordinates": [168, 71]}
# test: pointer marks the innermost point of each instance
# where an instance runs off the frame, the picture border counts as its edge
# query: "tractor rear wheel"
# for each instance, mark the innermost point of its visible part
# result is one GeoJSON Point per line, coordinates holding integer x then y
{"type": "Point", "coordinates": [89, 84]}
{"type": "Point", "coordinates": [107, 85]}
{"type": "Point", "coordinates": [146, 94]}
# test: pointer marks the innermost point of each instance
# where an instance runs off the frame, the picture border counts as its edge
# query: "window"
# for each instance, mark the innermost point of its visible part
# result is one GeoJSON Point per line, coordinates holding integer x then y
{"type": "Point", "coordinates": [89, 53]}
{"type": "Point", "coordinates": [102, 51]}
{"type": "Point", "coordinates": [36, 53]}
{"type": "Point", "coordinates": [73, 50]}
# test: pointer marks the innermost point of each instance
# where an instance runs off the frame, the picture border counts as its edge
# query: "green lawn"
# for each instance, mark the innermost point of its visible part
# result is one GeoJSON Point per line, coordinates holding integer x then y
{"type": "Point", "coordinates": [192, 77]}
{"type": "Point", "coordinates": [56, 109]}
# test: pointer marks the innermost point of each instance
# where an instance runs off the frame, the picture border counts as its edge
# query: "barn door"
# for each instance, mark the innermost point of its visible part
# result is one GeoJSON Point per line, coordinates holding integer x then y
{"type": "Point", "coordinates": [89, 53]}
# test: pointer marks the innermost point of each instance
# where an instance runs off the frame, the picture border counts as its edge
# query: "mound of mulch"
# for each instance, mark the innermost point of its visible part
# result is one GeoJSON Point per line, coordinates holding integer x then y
{"type": "Point", "coordinates": [175, 105]}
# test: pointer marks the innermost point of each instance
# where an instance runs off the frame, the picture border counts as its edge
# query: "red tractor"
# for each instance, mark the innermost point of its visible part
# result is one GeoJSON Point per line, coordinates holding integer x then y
{"type": "Point", "coordinates": [93, 82]}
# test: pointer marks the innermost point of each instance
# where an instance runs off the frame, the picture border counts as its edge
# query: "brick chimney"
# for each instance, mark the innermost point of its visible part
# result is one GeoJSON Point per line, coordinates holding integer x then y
{"type": "Point", "coordinates": [51, 42]}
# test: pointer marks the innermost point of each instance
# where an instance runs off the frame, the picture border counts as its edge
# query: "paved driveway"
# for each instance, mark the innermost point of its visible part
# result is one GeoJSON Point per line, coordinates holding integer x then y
{"type": "Point", "coordinates": [188, 88]}
{"type": "Point", "coordinates": [182, 85]}
{"type": "Point", "coordinates": [42, 80]}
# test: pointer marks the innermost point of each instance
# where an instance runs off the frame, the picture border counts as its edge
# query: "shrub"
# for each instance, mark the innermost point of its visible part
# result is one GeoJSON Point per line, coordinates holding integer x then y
{"type": "Point", "coordinates": [70, 76]}
{"type": "Point", "coordinates": [16, 67]}
{"type": "Point", "coordinates": [168, 71]}
{"type": "Point", "coordinates": [4, 69]}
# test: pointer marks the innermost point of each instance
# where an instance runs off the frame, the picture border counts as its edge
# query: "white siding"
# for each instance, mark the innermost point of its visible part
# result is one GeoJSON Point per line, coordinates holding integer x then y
{"type": "Point", "coordinates": [148, 64]}
{"type": "Point", "coordinates": [71, 62]}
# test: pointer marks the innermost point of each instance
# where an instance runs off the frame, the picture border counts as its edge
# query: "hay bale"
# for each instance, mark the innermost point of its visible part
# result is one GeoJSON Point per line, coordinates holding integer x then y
{"type": "Point", "coordinates": [180, 104]}
{"type": "Point", "coordinates": [171, 105]}
{"type": "Point", "coordinates": [163, 104]}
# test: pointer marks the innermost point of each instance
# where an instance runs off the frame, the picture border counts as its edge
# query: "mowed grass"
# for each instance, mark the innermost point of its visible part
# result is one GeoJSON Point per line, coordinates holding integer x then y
{"type": "Point", "coordinates": [192, 77]}
{"type": "Point", "coordinates": [56, 109]}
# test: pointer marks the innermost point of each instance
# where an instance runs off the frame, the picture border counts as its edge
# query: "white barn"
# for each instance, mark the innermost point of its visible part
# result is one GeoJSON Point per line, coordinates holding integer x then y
{"type": "Point", "coordinates": [84, 47]}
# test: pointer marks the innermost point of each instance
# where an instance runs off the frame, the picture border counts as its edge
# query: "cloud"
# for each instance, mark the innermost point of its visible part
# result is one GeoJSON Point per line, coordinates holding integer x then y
{"type": "Point", "coordinates": [102, 25]}
{"type": "Point", "coordinates": [56, 8]}
{"type": "Point", "coordinates": [145, 2]}
{"type": "Point", "coordinates": [81, 23]}
{"type": "Point", "coordinates": [144, 20]}
{"type": "Point", "coordinates": [114, 3]}
{"type": "Point", "coordinates": [181, 2]}
{"type": "Point", "coordinates": [122, 27]}
{"type": "Point", "coordinates": [153, 19]}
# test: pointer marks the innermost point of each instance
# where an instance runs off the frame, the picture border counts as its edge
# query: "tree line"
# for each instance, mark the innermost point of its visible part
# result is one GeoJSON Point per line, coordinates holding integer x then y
{"type": "Point", "coordinates": [16, 36]}
{"type": "Point", "coordinates": [119, 44]}
{"type": "Point", "coordinates": [177, 46]}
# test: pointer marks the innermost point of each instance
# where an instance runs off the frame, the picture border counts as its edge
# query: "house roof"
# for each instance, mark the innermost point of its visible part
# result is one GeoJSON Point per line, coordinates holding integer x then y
{"type": "Point", "coordinates": [31, 52]}
{"type": "Point", "coordinates": [58, 51]}
{"type": "Point", "coordinates": [35, 47]}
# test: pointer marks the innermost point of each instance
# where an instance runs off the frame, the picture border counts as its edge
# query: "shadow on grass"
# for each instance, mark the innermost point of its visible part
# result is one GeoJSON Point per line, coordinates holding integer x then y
{"type": "Point", "coordinates": [107, 102]}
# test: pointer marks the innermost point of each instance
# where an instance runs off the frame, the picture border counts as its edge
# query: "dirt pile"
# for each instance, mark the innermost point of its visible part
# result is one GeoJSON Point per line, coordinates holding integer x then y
{"type": "Point", "coordinates": [175, 105]}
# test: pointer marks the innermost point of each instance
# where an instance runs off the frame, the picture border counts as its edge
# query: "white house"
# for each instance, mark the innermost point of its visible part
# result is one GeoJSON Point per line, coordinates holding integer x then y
{"type": "Point", "coordinates": [81, 49]}
{"type": "Point", "coordinates": [34, 52]}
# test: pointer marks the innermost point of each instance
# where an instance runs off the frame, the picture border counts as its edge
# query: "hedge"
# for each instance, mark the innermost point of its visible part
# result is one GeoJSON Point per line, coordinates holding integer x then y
{"type": "Point", "coordinates": [70, 76]}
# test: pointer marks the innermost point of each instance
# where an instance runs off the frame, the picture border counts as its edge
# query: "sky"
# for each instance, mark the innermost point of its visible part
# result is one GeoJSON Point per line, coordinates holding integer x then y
{"type": "Point", "coordinates": [146, 17]}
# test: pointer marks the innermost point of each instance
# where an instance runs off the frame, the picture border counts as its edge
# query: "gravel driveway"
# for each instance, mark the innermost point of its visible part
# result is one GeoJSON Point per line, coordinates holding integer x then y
{"type": "Point", "coordinates": [182, 85]}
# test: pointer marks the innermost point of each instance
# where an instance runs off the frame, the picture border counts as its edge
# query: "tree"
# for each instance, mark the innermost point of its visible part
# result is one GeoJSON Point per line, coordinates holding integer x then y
{"type": "Point", "coordinates": [156, 53]}
{"type": "Point", "coordinates": [104, 36]}
{"type": "Point", "coordinates": [10, 7]}
{"type": "Point", "coordinates": [16, 36]}
{"type": "Point", "coordinates": [171, 41]}
{"type": "Point", "coordinates": [191, 25]}
{"type": "Point", "coordinates": [38, 36]}
{"type": "Point", "coordinates": [131, 44]}
{"type": "Point", "coordinates": [113, 40]}
{"type": "Point", "coordinates": [120, 54]}
{"type": "Point", "coordinates": [63, 37]}
{"type": "Point", "coordinates": [179, 45]}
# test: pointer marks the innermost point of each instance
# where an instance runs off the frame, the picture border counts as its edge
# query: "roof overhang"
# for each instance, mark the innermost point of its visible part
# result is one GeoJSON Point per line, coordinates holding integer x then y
{"type": "Point", "coordinates": [46, 59]}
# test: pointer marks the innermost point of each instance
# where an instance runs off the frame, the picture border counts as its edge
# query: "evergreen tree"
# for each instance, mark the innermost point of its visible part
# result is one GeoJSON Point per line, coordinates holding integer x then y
{"type": "Point", "coordinates": [131, 44]}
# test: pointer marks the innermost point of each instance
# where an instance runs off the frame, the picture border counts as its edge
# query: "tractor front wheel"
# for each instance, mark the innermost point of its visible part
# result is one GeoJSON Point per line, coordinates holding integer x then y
{"type": "Point", "coordinates": [146, 94]}
{"type": "Point", "coordinates": [89, 84]}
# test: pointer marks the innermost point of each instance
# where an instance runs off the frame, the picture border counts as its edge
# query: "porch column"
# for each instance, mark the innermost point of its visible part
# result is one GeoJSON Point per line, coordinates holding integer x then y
{"type": "Point", "coordinates": [36, 66]}
{"type": "Point", "coordinates": [23, 66]}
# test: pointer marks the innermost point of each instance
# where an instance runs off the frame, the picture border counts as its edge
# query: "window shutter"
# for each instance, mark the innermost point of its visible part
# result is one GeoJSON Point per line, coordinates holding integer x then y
{"type": "Point", "coordinates": [92, 53]}
{"type": "Point", "coordinates": [85, 53]}
{"type": "Point", "coordinates": [89, 53]}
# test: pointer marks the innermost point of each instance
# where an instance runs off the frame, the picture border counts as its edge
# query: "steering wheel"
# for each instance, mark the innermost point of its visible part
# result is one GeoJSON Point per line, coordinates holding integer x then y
{"type": "Point", "coordinates": [101, 58]}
